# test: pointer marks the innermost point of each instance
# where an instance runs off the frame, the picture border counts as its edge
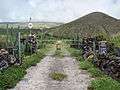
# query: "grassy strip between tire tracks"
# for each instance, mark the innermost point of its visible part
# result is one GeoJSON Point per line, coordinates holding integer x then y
{"type": "Point", "coordinates": [101, 81]}
{"type": "Point", "coordinates": [57, 76]}
{"type": "Point", "coordinates": [11, 76]}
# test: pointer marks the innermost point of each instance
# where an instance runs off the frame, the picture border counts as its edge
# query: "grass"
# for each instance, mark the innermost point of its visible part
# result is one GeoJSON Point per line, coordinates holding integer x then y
{"type": "Point", "coordinates": [85, 65]}
{"type": "Point", "coordinates": [11, 76]}
{"type": "Point", "coordinates": [75, 53]}
{"type": "Point", "coordinates": [59, 53]}
{"type": "Point", "coordinates": [2, 41]}
{"type": "Point", "coordinates": [116, 40]}
{"type": "Point", "coordinates": [105, 83]}
{"type": "Point", "coordinates": [101, 81]}
{"type": "Point", "coordinates": [57, 76]}
{"type": "Point", "coordinates": [96, 73]}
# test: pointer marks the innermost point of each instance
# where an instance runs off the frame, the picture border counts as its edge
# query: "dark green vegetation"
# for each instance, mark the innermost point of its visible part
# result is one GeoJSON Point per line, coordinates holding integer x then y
{"type": "Point", "coordinates": [11, 76]}
{"type": "Point", "coordinates": [92, 24]}
{"type": "Point", "coordinates": [57, 76]}
{"type": "Point", "coordinates": [101, 81]}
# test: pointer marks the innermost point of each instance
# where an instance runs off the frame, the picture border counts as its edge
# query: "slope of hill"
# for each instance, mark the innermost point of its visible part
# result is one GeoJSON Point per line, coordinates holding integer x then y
{"type": "Point", "coordinates": [92, 24]}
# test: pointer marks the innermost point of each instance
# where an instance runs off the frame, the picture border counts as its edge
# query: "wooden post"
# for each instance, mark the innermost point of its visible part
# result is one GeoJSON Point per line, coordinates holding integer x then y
{"type": "Point", "coordinates": [19, 47]}
{"type": "Point", "coordinates": [7, 36]}
{"type": "Point", "coordinates": [42, 39]}
{"type": "Point", "coordinates": [94, 49]}
{"type": "Point", "coordinates": [94, 46]}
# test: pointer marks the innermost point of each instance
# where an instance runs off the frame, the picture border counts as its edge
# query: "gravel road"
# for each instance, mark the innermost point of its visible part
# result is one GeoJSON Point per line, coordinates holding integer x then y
{"type": "Point", "coordinates": [37, 77]}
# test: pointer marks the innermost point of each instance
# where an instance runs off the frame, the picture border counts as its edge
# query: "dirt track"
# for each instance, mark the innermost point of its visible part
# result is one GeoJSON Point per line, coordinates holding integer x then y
{"type": "Point", "coordinates": [37, 78]}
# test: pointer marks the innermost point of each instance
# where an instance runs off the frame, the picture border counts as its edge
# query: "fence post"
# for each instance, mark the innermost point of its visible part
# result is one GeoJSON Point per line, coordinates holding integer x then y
{"type": "Point", "coordinates": [94, 49]}
{"type": "Point", "coordinates": [7, 36]}
{"type": "Point", "coordinates": [19, 48]}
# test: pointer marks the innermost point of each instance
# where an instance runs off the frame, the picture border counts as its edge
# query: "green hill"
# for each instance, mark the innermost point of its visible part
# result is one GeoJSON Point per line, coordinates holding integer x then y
{"type": "Point", "coordinates": [92, 24]}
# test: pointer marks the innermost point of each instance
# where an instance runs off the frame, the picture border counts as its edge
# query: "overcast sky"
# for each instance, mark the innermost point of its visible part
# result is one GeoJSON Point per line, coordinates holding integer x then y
{"type": "Point", "coordinates": [55, 10]}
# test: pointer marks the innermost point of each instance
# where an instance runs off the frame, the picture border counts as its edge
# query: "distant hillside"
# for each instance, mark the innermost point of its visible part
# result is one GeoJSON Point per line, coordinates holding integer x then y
{"type": "Point", "coordinates": [36, 25]}
{"type": "Point", "coordinates": [91, 24]}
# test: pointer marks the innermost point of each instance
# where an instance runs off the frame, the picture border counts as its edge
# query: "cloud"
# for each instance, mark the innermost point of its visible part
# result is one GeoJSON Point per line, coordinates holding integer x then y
{"type": "Point", "coordinates": [55, 10]}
